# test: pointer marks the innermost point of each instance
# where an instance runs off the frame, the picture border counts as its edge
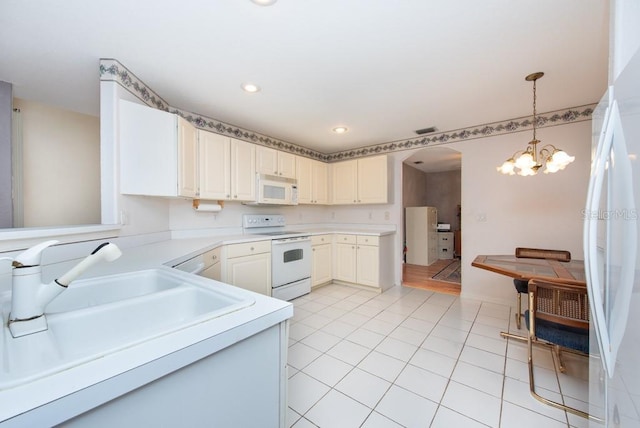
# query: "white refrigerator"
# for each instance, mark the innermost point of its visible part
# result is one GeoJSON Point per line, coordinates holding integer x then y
{"type": "Point", "coordinates": [611, 253]}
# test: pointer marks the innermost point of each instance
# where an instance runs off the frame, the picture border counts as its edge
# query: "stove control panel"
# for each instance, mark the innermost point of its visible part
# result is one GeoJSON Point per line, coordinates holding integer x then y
{"type": "Point", "coordinates": [250, 221]}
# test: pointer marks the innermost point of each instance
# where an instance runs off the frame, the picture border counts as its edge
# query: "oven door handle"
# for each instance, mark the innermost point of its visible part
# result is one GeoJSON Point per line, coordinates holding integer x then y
{"type": "Point", "coordinates": [294, 240]}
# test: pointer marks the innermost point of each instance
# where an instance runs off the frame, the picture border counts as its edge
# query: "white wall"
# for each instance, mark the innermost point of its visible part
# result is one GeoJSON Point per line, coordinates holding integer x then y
{"type": "Point", "coordinates": [61, 150]}
{"type": "Point", "coordinates": [543, 211]}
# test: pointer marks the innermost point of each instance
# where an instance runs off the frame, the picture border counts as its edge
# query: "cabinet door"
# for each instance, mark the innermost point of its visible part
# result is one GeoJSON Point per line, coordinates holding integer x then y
{"type": "Point", "coordinates": [368, 265]}
{"type": "Point", "coordinates": [266, 160]}
{"type": "Point", "coordinates": [304, 176]}
{"type": "Point", "coordinates": [321, 264]}
{"type": "Point", "coordinates": [243, 171]}
{"type": "Point", "coordinates": [345, 176]}
{"type": "Point", "coordinates": [372, 180]}
{"type": "Point", "coordinates": [215, 165]}
{"type": "Point", "coordinates": [251, 273]}
{"type": "Point", "coordinates": [287, 164]}
{"type": "Point", "coordinates": [320, 184]}
{"type": "Point", "coordinates": [345, 262]}
{"type": "Point", "coordinates": [187, 159]}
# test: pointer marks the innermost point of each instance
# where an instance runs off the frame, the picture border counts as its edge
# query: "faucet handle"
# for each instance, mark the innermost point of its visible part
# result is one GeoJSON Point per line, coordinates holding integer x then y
{"type": "Point", "coordinates": [32, 256]}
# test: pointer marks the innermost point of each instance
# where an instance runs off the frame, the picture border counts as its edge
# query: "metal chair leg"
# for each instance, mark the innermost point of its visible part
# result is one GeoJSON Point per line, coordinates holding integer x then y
{"type": "Point", "coordinates": [532, 388]}
{"type": "Point", "coordinates": [519, 313]}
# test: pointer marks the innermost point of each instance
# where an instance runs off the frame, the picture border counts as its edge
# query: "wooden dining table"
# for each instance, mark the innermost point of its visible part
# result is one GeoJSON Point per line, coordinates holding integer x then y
{"type": "Point", "coordinates": [571, 272]}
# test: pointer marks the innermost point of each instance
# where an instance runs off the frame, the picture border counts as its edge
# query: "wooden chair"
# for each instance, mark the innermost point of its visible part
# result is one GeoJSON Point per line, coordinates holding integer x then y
{"type": "Point", "coordinates": [558, 316]}
{"type": "Point", "coordinates": [521, 284]}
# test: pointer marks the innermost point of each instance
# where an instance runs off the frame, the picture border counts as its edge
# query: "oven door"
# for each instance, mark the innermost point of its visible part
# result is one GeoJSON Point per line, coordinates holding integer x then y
{"type": "Point", "coordinates": [290, 260]}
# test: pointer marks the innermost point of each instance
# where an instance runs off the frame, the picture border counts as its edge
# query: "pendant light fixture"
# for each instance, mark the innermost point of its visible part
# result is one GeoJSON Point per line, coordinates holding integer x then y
{"type": "Point", "coordinates": [530, 160]}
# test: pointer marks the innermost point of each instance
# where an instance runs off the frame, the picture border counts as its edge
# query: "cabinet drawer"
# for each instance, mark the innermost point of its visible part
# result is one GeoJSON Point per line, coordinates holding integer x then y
{"type": "Point", "coordinates": [368, 240]}
{"type": "Point", "coordinates": [248, 248]}
{"type": "Point", "coordinates": [444, 238]}
{"type": "Point", "coordinates": [320, 239]}
{"type": "Point", "coordinates": [345, 239]}
{"type": "Point", "coordinates": [212, 256]}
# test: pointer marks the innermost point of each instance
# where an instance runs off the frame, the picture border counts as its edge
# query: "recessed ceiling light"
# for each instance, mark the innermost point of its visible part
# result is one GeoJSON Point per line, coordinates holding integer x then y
{"type": "Point", "coordinates": [250, 87]}
{"type": "Point", "coordinates": [340, 129]}
{"type": "Point", "coordinates": [264, 2]}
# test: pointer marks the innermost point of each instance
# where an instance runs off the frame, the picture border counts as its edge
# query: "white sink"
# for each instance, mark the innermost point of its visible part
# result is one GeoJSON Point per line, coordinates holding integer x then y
{"type": "Point", "coordinates": [104, 315]}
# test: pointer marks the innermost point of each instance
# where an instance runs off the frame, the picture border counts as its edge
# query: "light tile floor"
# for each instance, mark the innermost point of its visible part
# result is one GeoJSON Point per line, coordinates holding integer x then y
{"type": "Point", "coordinates": [415, 358]}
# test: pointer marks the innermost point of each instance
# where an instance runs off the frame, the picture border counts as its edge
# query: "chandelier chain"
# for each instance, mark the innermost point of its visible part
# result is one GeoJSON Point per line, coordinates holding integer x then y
{"type": "Point", "coordinates": [534, 109]}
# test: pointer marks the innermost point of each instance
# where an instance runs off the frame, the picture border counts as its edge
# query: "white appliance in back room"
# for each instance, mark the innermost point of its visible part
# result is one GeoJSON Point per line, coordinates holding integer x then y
{"type": "Point", "coordinates": [421, 235]}
{"type": "Point", "coordinates": [611, 227]}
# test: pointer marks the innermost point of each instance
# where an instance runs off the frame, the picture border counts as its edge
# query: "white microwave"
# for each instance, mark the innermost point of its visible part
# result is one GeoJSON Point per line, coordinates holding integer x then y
{"type": "Point", "coordinates": [274, 190]}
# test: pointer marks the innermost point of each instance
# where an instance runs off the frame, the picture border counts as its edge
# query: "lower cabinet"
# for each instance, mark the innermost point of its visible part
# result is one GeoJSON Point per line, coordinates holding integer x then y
{"type": "Point", "coordinates": [321, 261]}
{"type": "Point", "coordinates": [368, 261]}
{"type": "Point", "coordinates": [357, 259]}
{"type": "Point", "coordinates": [248, 266]}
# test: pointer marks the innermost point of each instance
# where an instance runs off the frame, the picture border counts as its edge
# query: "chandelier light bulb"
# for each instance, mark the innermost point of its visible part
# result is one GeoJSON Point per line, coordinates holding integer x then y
{"type": "Point", "coordinates": [527, 162]}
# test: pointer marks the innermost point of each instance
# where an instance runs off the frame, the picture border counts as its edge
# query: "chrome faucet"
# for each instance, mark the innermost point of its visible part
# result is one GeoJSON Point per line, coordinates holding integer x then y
{"type": "Point", "coordinates": [30, 297]}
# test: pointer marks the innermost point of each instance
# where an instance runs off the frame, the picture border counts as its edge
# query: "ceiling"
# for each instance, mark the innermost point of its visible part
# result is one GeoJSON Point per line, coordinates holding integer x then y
{"type": "Point", "coordinates": [381, 68]}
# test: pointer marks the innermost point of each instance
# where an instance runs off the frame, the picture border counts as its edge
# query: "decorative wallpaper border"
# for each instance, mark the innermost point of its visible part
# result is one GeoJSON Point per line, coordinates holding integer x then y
{"type": "Point", "coordinates": [554, 118]}
{"type": "Point", "coordinates": [112, 70]}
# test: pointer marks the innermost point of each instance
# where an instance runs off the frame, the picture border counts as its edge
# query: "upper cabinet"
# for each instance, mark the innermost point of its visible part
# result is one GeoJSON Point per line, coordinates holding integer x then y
{"type": "Point", "coordinates": [158, 152]}
{"type": "Point", "coordinates": [312, 176]}
{"type": "Point", "coordinates": [227, 168]}
{"type": "Point", "coordinates": [274, 162]}
{"type": "Point", "coordinates": [360, 181]}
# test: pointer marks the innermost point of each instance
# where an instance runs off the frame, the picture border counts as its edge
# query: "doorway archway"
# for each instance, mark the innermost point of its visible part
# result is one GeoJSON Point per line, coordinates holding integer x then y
{"type": "Point", "coordinates": [432, 177]}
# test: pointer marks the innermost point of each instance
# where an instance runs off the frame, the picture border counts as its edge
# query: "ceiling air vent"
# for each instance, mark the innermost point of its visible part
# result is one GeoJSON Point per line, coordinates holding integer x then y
{"type": "Point", "coordinates": [428, 130]}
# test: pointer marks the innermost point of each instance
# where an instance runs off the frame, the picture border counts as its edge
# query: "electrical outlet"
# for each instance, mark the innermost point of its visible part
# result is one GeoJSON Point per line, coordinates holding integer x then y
{"type": "Point", "coordinates": [124, 217]}
{"type": "Point", "coordinates": [333, 215]}
{"type": "Point", "coordinates": [370, 215]}
{"type": "Point", "coordinates": [386, 215]}
{"type": "Point", "coordinates": [481, 217]}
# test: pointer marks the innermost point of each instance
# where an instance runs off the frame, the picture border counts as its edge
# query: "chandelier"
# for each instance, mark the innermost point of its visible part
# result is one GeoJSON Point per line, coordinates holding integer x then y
{"type": "Point", "coordinates": [530, 160]}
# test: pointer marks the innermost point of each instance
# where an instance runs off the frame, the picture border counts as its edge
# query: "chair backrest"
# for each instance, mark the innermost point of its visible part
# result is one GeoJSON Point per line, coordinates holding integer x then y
{"type": "Point", "coordinates": [538, 253]}
{"type": "Point", "coordinates": [565, 304]}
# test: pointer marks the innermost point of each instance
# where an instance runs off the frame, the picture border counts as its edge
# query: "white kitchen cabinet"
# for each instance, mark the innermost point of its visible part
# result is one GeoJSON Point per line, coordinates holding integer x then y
{"type": "Point", "coordinates": [312, 176]}
{"type": "Point", "coordinates": [275, 162]}
{"type": "Point", "coordinates": [344, 260]}
{"type": "Point", "coordinates": [248, 266]}
{"type": "Point", "coordinates": [321, 262]}
{"type": "Point", "coordinates": [368, 261]}
{"type": "Point", "coordinates": [158, 152]}
{"type": "Point", "coordinates": [360, 181]}
{"type": "Point", "coordinates": [227, 168]}
{"type": "Point", "coordinates": [421, 235]}
{"type": "Point", "coordinates": [445, 245]}
{"type": "Point", "coordinates": [363, 260]}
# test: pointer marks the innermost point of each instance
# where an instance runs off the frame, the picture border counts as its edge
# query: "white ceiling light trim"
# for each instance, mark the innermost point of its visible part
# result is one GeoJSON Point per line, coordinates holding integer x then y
{"type": "Point", "coordinates": [252, 88]}
{"type": "Point", "coordinates": [340, 129]}
{"type": "Point", "coordinates": [264, 2]}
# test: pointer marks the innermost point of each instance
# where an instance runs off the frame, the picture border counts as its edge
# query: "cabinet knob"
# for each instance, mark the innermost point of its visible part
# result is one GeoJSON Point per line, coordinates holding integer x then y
{"type": "Point", "coordinates": [228, 196]}
{"type": "Point", "coordinates": [251, 248]}
{"type": "Point", "coordinates": [354, 201]}
{"type": "Point", "coordinates": [235, 196]}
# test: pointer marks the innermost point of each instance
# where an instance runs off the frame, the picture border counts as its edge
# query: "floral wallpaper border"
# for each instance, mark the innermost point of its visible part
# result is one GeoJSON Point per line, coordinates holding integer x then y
{"type": "Point", "coordinates": [112, 70]}
{"type": "Point", "coordinates": [554, 118]}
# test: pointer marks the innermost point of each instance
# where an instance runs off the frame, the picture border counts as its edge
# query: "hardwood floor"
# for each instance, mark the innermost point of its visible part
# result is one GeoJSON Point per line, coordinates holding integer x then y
{"type": "Point", "coordinates": [420, 277]}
